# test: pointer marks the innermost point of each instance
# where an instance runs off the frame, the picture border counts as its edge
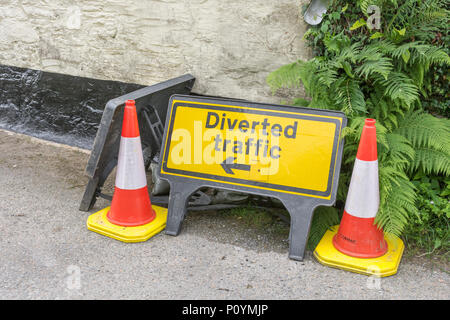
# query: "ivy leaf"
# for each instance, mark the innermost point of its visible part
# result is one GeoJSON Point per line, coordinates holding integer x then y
{"type": "Point", "coordinates": [308, 33]}
{"type": "Point", "coordinates": [331, 44]}
{"type": "Point", "coordinates": [401, 32]}
{"type": "Point", "coordinates": [445, 193]}
{"type": "Point", "coordinates": [437, 243]}
{"type": "Point", "coordinates": [358, 24]}
{"type": "Point", "coordinates": [336, 16]}
{"type": "Point", "coordinates": [347, 68]}
{"type": "Point", "coordinates": [344, 8]}
{"type": "Point", "coordinates": [377, 35]}
{"type": "Point", "coordinates": [406, 55]}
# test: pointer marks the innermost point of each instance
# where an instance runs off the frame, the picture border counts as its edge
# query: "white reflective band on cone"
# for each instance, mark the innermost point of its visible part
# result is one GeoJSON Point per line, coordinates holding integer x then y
{"type": "Point", "coordinates": [363, 198]}
{"type": "Point", "coordinates": [130, 167]}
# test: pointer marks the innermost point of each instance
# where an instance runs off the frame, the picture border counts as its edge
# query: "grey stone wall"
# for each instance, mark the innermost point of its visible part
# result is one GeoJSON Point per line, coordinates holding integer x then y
{"type": "Point", "coordinates": [230, 46]}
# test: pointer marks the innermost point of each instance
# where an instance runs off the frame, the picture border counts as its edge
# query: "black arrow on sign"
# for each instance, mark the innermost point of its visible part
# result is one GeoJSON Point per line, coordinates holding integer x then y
{"type": "Point", "coordinates": [229, 164]}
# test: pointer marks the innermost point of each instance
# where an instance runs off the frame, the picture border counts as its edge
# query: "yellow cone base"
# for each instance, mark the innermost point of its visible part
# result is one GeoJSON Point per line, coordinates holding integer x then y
{"type": "Point", "coordinates": [98, 222]}
{"type": "Point", "coordinates": [383, 266]}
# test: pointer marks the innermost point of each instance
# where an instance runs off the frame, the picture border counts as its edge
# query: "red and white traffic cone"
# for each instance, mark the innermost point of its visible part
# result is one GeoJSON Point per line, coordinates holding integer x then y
{"type": "Point", "coordinates": [130, 205]}
{"type": "Point", "coordinates": [357, 244]}
{"type": "Point", "coordinates": [358, 236]}
{"type": "Point", "coordinates": [131, 217]}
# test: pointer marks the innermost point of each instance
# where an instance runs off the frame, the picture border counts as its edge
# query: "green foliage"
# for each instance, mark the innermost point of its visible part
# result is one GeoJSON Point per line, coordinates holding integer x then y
{"type": "Point", "coordinates": [323, 218]}
{"type": "Point", "coordinates": [429, 227]}
{"type": "Point", "coordinates": [430, 137]}
{"type": "Point", "coordinates": [389, 75]}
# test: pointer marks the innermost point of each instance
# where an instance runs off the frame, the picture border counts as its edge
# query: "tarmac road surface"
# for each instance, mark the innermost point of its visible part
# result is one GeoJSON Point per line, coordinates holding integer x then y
{"type": "Point", "coordinates": [46, 251]}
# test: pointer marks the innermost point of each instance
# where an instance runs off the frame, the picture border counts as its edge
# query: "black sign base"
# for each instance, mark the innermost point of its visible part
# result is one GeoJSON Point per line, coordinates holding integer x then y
{"type": "Point", "coordinates": [300, 209]}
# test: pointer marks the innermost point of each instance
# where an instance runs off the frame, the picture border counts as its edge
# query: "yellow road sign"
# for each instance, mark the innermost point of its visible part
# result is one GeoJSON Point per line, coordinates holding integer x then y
{"type": "Point", "coordinates": [279, 149]}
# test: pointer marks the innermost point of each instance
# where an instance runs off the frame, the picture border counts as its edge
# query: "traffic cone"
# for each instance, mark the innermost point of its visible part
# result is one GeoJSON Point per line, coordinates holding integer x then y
{"type": "Point", "coordinates": [358, 236]}
{"type": "Point", "coordinates": [357, 244]}
{"type": "Point", "coordinates": [131, 217]}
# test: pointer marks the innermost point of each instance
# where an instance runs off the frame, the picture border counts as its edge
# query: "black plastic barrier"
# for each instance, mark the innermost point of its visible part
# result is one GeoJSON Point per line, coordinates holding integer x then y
{"type": "Point", "coordinates": [151, 106]}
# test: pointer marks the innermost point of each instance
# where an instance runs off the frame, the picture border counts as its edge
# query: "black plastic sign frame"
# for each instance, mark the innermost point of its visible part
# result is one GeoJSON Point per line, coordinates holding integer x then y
{"type": "Point", "coordinates": [105, 151]}
{"type": "Point", "coordinates": [289, 153]}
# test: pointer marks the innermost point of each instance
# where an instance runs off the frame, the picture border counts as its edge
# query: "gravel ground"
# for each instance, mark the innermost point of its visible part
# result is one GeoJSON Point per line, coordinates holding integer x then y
{"type": "Point", "coordinates": [46, 251]}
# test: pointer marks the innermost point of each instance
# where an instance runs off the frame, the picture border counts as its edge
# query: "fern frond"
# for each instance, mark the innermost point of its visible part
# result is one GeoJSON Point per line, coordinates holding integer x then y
{"type": "Point", "coordinates": [336, 43]}
{"type": "Point", "coordinates": [430, 137]}
{"type": "Point", "coordinates": [382, 109]}
{"type": "Point", "coordinates": [370, 52]}
{"type": "Point", "coordinates": [383, 66]}
{"type": "Point", "coordinates": [397, 200]}
{"type": "Point", "coordinates": [364, 4]}
{"type": "Point", "coordinates": [401, 50]}
{"type": "Point", "coordinates": [424, 130]}
{"type": "Point", "coordinates": [324, 218]}
{"type": "Point", "coordinates": [327, 75]}
{"type": "Point", "coordinates": [417, 74]}
{"type": "Point", "coordinates": [373, 61]}
{"type": "Point", "coordinates": [419, 15]}
{"type": "Point", "coordinates": [398, 151]}
{"type": "Point", "coordinates": [400, 87]}
{"type": "Point", "coordinates": [287, 76]}
{"type": "Point", "coordinates": [432, 161]}
{"type": "Point", "coordinates": [350, 52]}
{"type": "Point", "coordinates": [385, 46]}
{"type": "Point", "coordinates": [348, 96]}
{"type": "Point", "coordinates": [430, 55]}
